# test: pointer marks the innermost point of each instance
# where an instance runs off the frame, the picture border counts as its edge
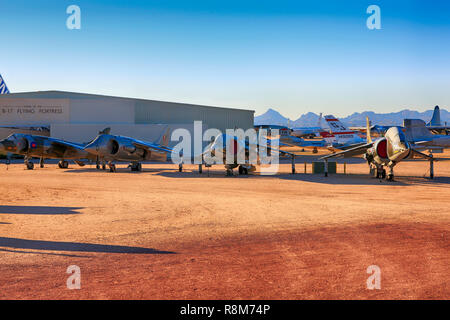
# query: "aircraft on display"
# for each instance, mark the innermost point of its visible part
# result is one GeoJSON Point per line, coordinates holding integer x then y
{"type": "Point", "coordinates": [219, 146]}
{"type": "Point", "coordinates": [3, 87]}
{"type": "Point", "coordinates": [337, 138]}
{"type": "Point", "coordinates": [110, 148]}
{"type": "Point", "coordinates": [418, 134]}
{"type": "Point", "coordinates": [434, 125]}
{"type": "Point", "coordinates": [308, 132]}
{"type": "Point", "coordinates": [43, 147]}
{"type": "Point", "coordinates": [340, 137]}
{"type": "Point", "coordinates": [384, 152]}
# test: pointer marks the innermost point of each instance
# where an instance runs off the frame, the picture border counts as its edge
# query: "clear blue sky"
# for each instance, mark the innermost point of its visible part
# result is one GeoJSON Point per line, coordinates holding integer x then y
{"type": "Point", "coordinates": [295, 56]}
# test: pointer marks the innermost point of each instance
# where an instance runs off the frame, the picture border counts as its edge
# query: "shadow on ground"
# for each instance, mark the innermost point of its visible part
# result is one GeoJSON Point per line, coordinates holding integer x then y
{"type": "Point", "coordinates": [74, 246]}
{"type": "Point", "coordinates": [39, 210]}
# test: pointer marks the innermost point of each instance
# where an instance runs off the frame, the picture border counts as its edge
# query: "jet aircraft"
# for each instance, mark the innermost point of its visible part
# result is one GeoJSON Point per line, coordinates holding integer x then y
{"type": "Point", "coordinates": [44, 148]}
{"type": "Point", "coordinates": [219, 146]}
{"type": "Point", "coordinates": [111, 148]}
{"type": "Point", "coordinates": [384, 152]}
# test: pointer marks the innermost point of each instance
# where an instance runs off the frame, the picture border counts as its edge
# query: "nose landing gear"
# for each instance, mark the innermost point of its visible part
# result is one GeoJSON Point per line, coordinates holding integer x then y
{"type": "Point", "coordinates": [136, 166]}
{"type": "Point", "coordinates": [63, 164]}
{"type": "Point", "coordinates": [243, 170]}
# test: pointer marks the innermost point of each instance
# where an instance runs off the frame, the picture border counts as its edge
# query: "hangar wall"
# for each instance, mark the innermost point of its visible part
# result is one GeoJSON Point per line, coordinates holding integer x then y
{"type": "Point", "coordinates": [78, 117]}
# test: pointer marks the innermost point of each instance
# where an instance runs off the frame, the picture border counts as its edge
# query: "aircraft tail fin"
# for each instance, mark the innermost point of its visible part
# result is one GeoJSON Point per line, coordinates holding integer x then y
{"type": "Point", "coordinates": [105, 131]}
{"type": "Point", "coordinates": [416, 130]}
{"type": "Point", "coordinates": [436, 118]}
{"type": "Point", "coordinates": [164, 138]}
{"type": "Point", "coordinates": [335, 125]}
{"type": "Point", "coordinates": [3, 88]}
{"type": "Point", "coordinates": [369, 137]}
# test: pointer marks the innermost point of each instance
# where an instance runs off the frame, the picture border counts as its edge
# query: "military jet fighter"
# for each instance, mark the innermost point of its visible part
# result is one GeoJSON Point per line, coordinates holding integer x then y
{"type": "Point", "coordinates": [383, 152]}
{"type": "Point", "coordinates": [110, 148]}
{"type": "Point", "coordinates": [44, 148]}
{"type": "Point", "coordinates": [245, 161]}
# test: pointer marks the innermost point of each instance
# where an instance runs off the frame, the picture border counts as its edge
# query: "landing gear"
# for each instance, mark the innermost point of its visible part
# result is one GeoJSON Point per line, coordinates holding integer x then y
{"type": "Point", "coordinates": [63, 164]}
{"type": "Point", "coordinates": [41, 162]}
{"type": "Point", "coordinates": [136, 166]}
{"type": "Point", "coordinates": [243, 170]}
{"type": "Point", "coordinates": [390, 175]}
{"type": "Point", "coordinates": [29, 165]}
{"type": "Point", "coordinates": [112, 167]}
{"type": "Point", "coordinates": [229, 172]}
{"type": "Point", "coordinates": [377, 172]}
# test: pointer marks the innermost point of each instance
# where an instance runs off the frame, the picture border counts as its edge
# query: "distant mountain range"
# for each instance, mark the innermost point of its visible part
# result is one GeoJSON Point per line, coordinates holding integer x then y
{"type": "Point", "coordinates": [356, 119]}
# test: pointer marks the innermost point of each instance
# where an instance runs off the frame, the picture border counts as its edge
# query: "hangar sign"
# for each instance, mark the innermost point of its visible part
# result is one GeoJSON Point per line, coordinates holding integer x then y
{"type": "Point", "coordinates": [33, 111]}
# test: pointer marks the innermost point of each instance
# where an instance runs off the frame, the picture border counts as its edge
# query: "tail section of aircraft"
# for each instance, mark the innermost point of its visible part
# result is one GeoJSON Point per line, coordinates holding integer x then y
{"type": "Point", "coordinates": [339, 130]}
{"type": "Point", "coordinates": [164, 138]}
{"type": "Point", "coordinates": [3, 87]}
{"type": "Point", "coordinates": [436, 119]}
{"type": "Point", "coordinates": [369, 137]}
{"type": "Point", "coordinates": [416, 130]}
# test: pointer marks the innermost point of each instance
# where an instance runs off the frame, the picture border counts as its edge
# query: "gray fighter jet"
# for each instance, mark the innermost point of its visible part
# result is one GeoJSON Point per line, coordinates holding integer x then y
{"type": "Point", "coordinates": [111, 148]}
{"type": "Point", "coordinates": [383, 152]}
{"type": "Point", "coordinates": [245, 161]}
{"type": "Point", "coordinates": [422, 139]}
{"type": "Point", "coordinates": [44, 148]}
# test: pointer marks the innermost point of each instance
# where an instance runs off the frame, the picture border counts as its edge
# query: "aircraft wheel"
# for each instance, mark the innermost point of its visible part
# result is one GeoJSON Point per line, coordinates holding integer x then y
{"type": "Point", "coordinates": [241, 170]}
{"type": "Point", "coordinates": [30, 165]}
{"type": "Point", "coordinates": [97, 166]}
{"type": "Point", "coordinates": [390, 177]}
{"type": "Point", "coordinates": [139, 167]}
{"type": "Point", "coordinates": [245, 170]}
{"type": "Point", "coordinates": [383, 174]}
{"type": "Point", "coordinates": [112, 168]}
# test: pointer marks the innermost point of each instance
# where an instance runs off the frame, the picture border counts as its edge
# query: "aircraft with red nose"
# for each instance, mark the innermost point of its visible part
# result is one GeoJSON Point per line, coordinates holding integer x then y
{"type": "Point", "coordinates": [385, 152]}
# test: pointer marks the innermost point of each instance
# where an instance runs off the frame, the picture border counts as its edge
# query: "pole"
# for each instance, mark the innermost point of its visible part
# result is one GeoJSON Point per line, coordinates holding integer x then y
{"type": "Point", "coordinates": [431, 167]}
{"type": "Point", "coordinates": [305, 167]}
{"type": "Point", "coordinates": [345, 167]}
{"type": "Point", "coordinates": [326, 168]}
{"type": "Point", "coordinates": [293, 164]}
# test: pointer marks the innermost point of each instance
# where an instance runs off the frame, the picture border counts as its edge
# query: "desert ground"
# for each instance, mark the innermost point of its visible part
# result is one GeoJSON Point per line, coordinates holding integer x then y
{"type": "Point", "coordinates": [162, 234]}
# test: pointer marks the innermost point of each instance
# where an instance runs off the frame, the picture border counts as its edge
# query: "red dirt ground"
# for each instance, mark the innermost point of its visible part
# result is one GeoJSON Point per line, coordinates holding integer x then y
{"type": "Point", "coordinates": [198, 237]}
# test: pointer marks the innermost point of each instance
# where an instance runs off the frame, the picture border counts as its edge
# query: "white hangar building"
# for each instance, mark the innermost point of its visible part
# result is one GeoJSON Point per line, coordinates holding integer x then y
{"type": "Point", "coordinates": [78, 117]}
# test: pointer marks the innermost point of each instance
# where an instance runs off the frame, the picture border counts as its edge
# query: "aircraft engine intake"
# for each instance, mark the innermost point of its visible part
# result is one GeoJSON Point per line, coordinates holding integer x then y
{"type": "Point", "coordinates": [113, 146]}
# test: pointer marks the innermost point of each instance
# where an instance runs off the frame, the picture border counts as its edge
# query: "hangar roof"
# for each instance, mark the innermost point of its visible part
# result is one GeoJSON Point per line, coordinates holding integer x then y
{"type": "Point", "coordinates": [54, 94]}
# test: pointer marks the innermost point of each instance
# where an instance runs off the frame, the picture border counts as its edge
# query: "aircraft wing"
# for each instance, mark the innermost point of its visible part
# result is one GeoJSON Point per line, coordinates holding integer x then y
{"type": "Point", "coordinates": [151, 146]}
{"type": "Point", "coordinates": [64, 148]}
{"type": "Point", "coordinates": [269, 148]}
{"type": "Point", "coordinates": [355, 151]}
